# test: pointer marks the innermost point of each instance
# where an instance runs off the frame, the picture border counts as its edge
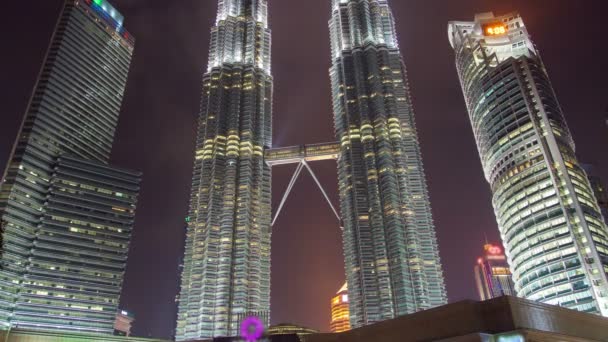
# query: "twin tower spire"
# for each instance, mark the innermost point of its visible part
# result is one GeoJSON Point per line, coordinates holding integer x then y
{"type": "Point", "coordinates": [241, 34]}
{"type": "Point", "coordinates": [391, 256]}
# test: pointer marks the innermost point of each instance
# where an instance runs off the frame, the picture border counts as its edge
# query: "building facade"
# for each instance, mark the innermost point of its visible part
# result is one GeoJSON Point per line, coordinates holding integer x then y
{"type": "Point", "coordinates": [492, 274]}
{"type": "Point", "coordinates": [66, 216]}
{"type": "Point", "coordinates": [340, 315]}
{"type": "Point", "coordinates": [226, 269]}
{"type": "Point", "coordinates": [392, 258]}
{"type": "Point", "coordinates": [552, 228]}
{"type": "Point", "coordinates": [599, 189]}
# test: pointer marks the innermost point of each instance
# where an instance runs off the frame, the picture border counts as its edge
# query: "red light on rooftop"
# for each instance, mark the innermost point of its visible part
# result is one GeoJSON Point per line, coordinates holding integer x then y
{"type": "Point", "coordinates": [480, 261]}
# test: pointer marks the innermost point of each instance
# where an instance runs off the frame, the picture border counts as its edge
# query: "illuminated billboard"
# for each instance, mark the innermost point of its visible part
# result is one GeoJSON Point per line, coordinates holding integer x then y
{"type": "Point", "coordinates": [494, 29]}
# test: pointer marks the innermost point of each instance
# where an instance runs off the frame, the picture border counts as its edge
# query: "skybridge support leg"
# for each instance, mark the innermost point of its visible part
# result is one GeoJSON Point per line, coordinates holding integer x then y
{"type": "Point", "coordinates": [296, 174]}
{"type": "Point", "coordinates": [301, 165]}
{"type": "Point", "coordinates": [331, 205]}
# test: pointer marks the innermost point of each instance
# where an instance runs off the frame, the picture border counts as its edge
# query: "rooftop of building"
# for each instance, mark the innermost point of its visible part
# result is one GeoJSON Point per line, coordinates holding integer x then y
{"type": "Point", "coordinates": [500, 319]}
{"type": "Point", "coordinates": [21, 335]}
{"type": "Point", "coordinates": [479, 321]}
{"type": "Point", "coordinates": [289, 328]}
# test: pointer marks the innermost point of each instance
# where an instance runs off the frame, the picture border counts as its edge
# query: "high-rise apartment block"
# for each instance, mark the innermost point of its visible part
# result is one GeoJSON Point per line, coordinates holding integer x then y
{"type": "Point", "coordinates": [392, 258]}
{"type": "Point", "coordinates": [66, 216]}
{"type": "Point", "coordinates": [551, 225]}
{"type": "Point", "coordinates": [226, 270]}
{"type": "Point", "coordinates": [492, 274]}
{"type": "Point", "coordinates": [340, 316]}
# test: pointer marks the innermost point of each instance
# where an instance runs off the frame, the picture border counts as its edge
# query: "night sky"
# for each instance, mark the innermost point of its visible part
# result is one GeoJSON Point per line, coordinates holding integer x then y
{"type": "Point", "coordinates": [156, 132]}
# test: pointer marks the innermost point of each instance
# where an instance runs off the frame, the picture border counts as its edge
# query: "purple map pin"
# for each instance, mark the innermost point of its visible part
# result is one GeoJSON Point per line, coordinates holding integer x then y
{"type": "Point", "coordinates": [252, 329]}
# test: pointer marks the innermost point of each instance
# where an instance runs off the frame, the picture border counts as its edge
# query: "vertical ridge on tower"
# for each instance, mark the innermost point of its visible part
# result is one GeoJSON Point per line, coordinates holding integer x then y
{"type": "Point", "coordinates": [391, 252]}
{"type": "Point", "coordinates": [226, 270]}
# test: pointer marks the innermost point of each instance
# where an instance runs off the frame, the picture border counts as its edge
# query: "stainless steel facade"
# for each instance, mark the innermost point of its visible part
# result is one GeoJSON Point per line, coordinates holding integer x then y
{"type": "Point", "coordinates": [226, 270]}
{"type": "Point", "coordinates": [556, 241]}
{"type": "Point", "coordinates": [392, 257]}
{"type": "Point", "coordinates": [391, 253]}
{"type": "Point", "coordinates": [65, 228]}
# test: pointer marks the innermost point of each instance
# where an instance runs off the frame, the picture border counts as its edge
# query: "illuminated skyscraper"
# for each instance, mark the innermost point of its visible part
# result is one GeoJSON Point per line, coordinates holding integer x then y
{"type": "Point", "coordinates": [226, 270]}
{"type": "Point", "coordinates": [392, 258]}
{"type": "Point", "coordinates": [550, 222]}
{"type": "Point", "coordinates": [340, 317]}
{"type": "Point", "coordinates": [492, 274]}
{"type": "Point", "coordinates": [599, 189]}
{"type": "Point", "coordinates": [66, 215]}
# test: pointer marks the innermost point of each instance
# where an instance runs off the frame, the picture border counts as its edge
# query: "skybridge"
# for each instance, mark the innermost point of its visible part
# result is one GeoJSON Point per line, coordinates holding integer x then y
{"type": "Point", "coordinates": [302, 155]}
{"type": "Point", "coordinates": [297, 154]}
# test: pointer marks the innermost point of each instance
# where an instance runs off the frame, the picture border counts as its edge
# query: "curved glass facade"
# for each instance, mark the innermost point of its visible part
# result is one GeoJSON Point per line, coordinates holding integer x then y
{"type": "Point", "coordinates": [391, 253]}
{"type": "Point", "coordinates": [549, 219]}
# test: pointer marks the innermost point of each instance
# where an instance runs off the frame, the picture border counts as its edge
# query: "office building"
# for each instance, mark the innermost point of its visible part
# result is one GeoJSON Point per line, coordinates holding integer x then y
{"type": "Point", "coordinates": [392, 258]}
{"type": "Point", "coordinates": [492, 274]}
{"type": "Point", "coordinates": [599, 189]}
{"type": "Point", "coordinates": [551, 226]}
{"type": "Point", "coordinates": [226, 271]}
{"type": "Point", "coordinates": [340, 316]}
{"type": "Point", "coordinates": [66, 215]}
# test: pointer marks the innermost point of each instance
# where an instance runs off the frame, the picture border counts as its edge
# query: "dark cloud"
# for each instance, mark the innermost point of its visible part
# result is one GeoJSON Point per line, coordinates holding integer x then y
{"type": "Point", "coordinates": [157, 131]}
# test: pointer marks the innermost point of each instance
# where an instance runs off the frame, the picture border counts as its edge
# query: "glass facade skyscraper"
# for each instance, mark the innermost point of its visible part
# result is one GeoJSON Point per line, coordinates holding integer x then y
{"type": "Point", "coordinates": [599, 189]}
{"type": "Point", "coordinates": [555, 239]}
{"type": "Point", "coordinates": [392, 258]}
{"type": "Point", "coordinates": [391, 253]}
{"type": "Point", "coordinates": [66, 216]}
{"type": "Point", "coordinates": [226, 271]}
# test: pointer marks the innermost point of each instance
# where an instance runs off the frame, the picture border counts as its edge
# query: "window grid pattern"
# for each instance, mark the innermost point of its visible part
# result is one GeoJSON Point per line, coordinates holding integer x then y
{"type": "Point", "coordinates": [73, 111]}
{"type": "Point", "coordinates": [226, 272]}
{"type": "Point", "coordinates": [549, 219]}
{"type": "Point", "coordinates": [391, 253]}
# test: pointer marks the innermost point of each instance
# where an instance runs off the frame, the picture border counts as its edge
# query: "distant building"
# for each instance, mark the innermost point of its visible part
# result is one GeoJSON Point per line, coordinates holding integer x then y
{"type": "Point", "coordinates": [289, 329]}
{"type": "Point", "coordinates": [340, 313]}
{"type": "Point", "coordinates": [599, 189]}
{"type": "Point", "coordinates": [492, 274]}
{"type": "Point", "coordinates": [123, 324]}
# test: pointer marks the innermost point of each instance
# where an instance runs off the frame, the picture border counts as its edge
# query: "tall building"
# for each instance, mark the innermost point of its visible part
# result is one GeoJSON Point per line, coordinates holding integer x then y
{"type": "Point", "coordinates": [340, 316]}
{"type": "Point", "coordinates": [66, 216]}
{"type": "Point", "coordinates": [599, 189]}
{"type": "Point", "coordinates": [550, 223]}
{"type": "Point", "coordinates": [492, 274]}
{"type": "Point", "coordinates": [392, 258]}
{"type": "Point", "coordinates": [226, 271]}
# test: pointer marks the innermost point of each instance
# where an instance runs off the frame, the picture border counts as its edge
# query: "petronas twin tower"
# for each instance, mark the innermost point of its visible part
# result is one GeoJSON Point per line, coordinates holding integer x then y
{"type": "Point", "coordinates": [391, 256]}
